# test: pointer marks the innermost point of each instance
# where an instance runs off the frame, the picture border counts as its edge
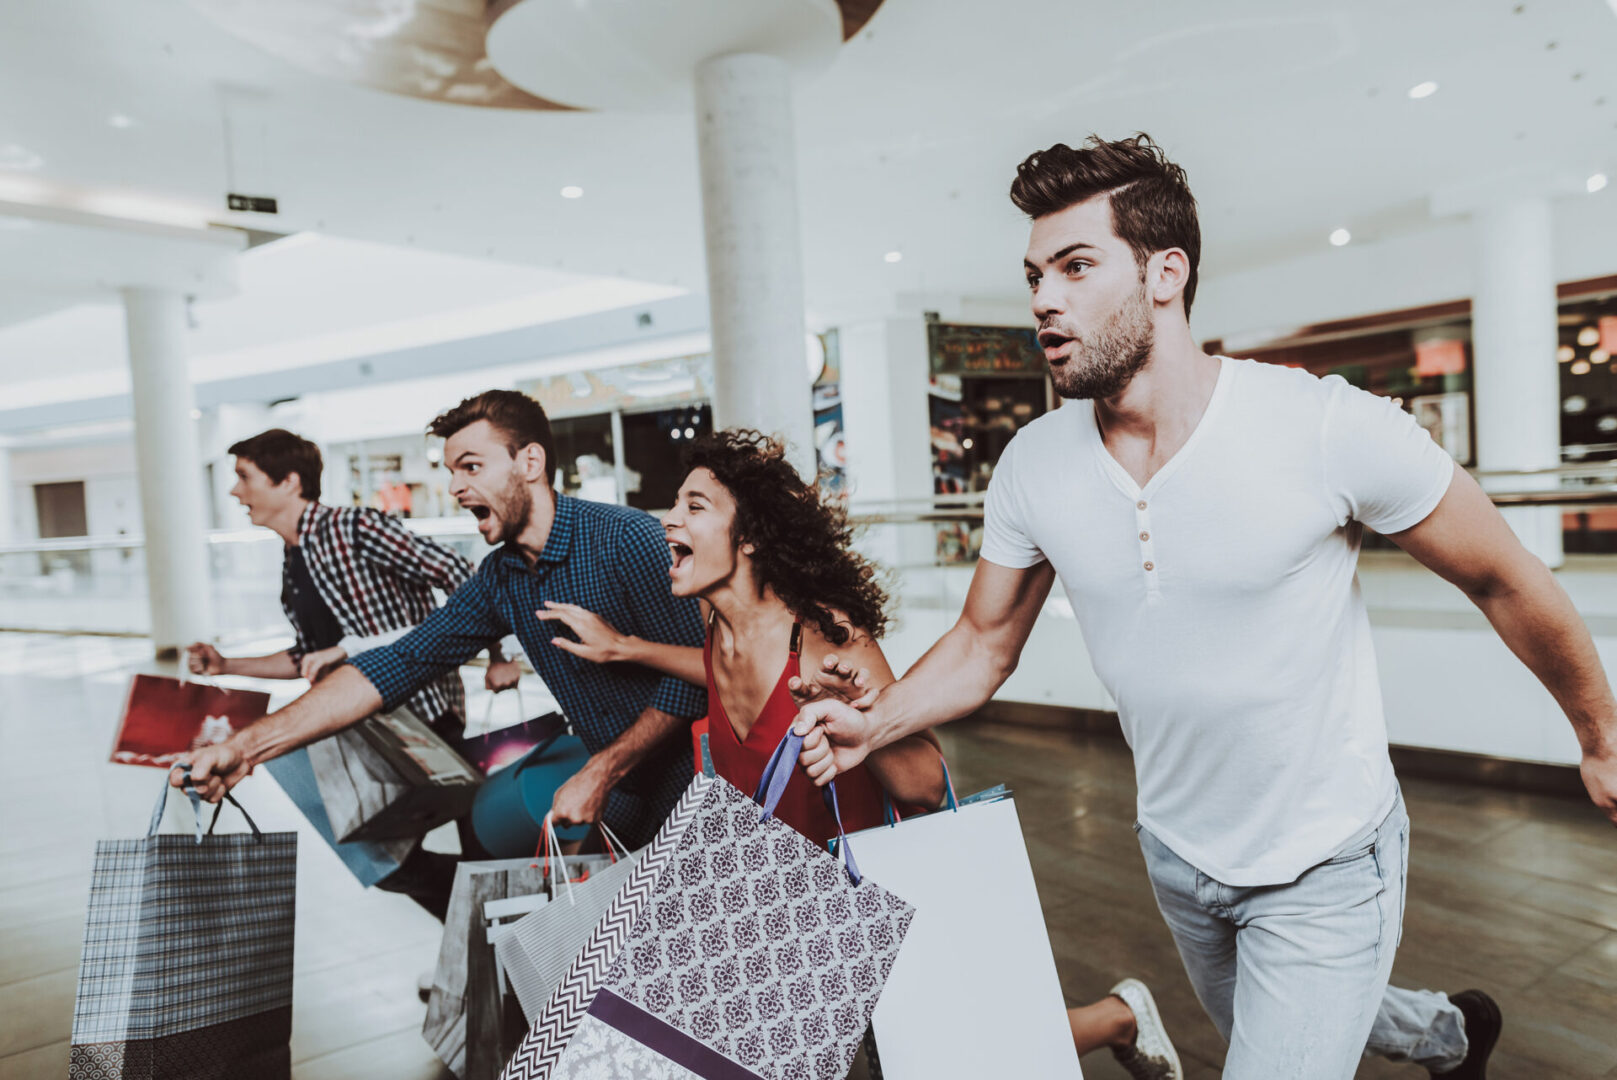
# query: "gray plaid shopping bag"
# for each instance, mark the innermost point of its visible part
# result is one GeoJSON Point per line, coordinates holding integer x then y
{"type": "Point", "coordinates": [187, 966]}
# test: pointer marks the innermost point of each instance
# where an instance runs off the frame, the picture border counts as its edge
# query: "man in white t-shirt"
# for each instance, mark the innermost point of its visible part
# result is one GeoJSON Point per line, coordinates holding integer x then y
{"type": "Point", "coordinates": [1204, 516]}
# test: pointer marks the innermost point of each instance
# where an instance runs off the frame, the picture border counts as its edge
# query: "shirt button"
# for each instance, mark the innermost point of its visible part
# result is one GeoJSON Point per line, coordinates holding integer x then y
{"type": "Point", "coordinates": [1150, 566]}
{"type": "Point", "coordinates": [1140, 505]}
{"type": "Point", "coordinates": [1145, 536]}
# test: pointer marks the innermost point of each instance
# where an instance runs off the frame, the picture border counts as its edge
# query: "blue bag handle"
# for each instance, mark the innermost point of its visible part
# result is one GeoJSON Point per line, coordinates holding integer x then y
{"type": "Point", "coordinates": [772, 785]}
{"type": "Point", "coordinates": [196, 807]}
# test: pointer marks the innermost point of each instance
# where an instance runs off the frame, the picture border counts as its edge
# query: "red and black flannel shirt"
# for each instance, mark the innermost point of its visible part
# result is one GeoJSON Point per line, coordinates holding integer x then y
{"type": "Point", "coordinates": [376, 575]}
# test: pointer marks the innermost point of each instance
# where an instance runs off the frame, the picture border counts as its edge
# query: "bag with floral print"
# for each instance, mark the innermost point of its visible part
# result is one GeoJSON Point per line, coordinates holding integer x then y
{"type": "Point", "coordinates": [737, 950]}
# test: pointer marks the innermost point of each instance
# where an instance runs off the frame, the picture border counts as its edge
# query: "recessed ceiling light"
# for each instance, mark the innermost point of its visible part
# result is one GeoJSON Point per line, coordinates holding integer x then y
{"type": "Point", "coordinates": [1422, 90]}
{"type": "Point", "coordinates": [1595, 182]}
{"type": "Point", "coordinates": [1580, 368]}
{"type": "Point", "coordinates": [572, 191]}
{"type": "Point", "coordinates": [1589, 335]}
{"type": "Point", "coordinates": [120, 121]}
{"type": "Point", "coordinates": [1599, 356]}
{"type": "Point", "coordinates": [20, 158]}
{"type": "Point", "coordinates": [894, 256]}
{"type": "Point", "coordinates": [1340, 237]}
{"type": "Point", "coordinates": [1566, 354]}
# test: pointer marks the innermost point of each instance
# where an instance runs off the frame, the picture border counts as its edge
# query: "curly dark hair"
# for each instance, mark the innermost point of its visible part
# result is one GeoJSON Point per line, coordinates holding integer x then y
{"type": "Point", "coordinates": [800, 540]}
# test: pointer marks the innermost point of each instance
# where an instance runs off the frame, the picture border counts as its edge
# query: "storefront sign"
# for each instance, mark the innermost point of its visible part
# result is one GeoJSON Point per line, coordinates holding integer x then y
{"type": "Point", "coordinates": [984, 350]}
{"type": "Point", "coordinates": [1440, 356]}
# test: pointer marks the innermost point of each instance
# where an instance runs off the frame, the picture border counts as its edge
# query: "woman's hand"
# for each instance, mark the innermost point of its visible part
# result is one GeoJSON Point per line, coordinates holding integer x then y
{"type": "Point", "coordinates": [836, 680]}
{"type": "Point", "coordinates": [597, 640]}
{"type": "Point", "coordinates": [318, 664]}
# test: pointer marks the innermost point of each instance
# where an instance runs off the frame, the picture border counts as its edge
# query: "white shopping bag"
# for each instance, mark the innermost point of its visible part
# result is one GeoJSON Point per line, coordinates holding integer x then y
{"type": "Point", "coordinates": [975, 991]}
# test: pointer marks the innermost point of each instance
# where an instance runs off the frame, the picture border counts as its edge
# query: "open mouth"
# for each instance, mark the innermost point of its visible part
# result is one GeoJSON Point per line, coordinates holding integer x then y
{"type": "Point", "coordinates": [1055, 344]}
{"type": "Point", "coordinates": [679, 552]}
{"type": "Point", "coordinates": [481, 513]}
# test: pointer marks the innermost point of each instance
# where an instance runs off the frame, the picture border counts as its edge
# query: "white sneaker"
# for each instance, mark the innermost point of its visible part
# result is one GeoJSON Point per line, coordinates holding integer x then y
{"type": "Point", "coordinates": [1152, 1057]}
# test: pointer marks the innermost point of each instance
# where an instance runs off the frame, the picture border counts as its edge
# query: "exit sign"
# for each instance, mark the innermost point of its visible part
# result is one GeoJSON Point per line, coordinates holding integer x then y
{"type": "Point", "coordinates": [252, 204]}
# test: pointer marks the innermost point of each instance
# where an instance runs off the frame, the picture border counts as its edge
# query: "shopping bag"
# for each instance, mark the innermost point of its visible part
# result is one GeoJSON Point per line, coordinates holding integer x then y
{"type": "Point", "coordinates": [737, 948]}
{"type": "Point", "coordinates": [391, 777]}
{"type": "Point", "coordinates": [465, 994]}
{"type": "Point", "coordinates": [978, 923]}
{"type": "Point", "coordinates": [511, 804]}
{"type": "Point", "coordinates": [536, 951]}
{"type": "Point", "coordinates": [369, 861]}
{"type": "Point", "coordinates": [164, 718]}
{"type": "Point", "coordinates": [187, 963]}
{"type": "Point", "coordinates": [497, 748]}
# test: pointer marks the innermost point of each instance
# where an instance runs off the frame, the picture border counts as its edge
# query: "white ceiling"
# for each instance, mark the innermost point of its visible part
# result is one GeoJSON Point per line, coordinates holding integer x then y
{"type": "Point", "coordinates": [1291, 117]}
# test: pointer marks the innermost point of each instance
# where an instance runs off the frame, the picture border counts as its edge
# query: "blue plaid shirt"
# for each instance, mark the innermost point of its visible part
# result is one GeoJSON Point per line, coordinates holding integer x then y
{"type": "Point", "coordinates": [611, 560]}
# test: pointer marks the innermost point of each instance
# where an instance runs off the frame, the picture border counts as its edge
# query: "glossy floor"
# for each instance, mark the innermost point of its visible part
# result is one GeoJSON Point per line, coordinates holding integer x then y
{"type": "Point", "coordinates": [1517, 894]}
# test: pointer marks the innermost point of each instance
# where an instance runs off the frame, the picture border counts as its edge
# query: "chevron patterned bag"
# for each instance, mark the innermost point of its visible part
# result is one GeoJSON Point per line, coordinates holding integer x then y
{"type": "Point", "coordinates": [737, 949]}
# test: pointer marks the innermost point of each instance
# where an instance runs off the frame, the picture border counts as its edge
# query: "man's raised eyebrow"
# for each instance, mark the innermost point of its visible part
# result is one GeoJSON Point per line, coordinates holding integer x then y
{"type": "Point", "coordinates": [1062, 254]}
{"type": "Point", "coordinates": [462, 456]}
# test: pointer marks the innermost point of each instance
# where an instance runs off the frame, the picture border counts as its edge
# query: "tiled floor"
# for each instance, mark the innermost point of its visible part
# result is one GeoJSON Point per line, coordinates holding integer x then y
{"type": "Point", "coordinates": [1514, 893]}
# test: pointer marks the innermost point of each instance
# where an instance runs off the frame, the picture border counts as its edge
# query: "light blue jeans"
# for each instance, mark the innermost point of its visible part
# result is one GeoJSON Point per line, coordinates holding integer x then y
{"type": "Point", "coordinates": [1295, 976]}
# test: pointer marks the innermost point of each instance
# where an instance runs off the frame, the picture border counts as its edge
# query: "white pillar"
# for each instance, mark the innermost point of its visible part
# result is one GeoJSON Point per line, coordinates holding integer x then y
{"type": "Point", "coordinates": [170, 469]}
{"type": "Point", "coordinates": [748, 159]}
{"type": "Point", "coordinates": [1518, 393]}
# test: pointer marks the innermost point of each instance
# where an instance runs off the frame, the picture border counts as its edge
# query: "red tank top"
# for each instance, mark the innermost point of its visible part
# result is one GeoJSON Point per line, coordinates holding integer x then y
{"type": "Point", "coordinates": [859, 796]}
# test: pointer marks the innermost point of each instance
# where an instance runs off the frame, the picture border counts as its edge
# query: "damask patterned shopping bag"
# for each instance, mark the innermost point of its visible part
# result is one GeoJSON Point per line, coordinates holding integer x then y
{"type": "Point", "coordinates": [187, 966]}
{"type": "Point", "coordinates": [738, 949]}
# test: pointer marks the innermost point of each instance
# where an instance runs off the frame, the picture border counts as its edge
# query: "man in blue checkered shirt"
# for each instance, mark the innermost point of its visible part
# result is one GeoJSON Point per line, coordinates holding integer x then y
{"type": "Point", "coordinates": [609, 559]}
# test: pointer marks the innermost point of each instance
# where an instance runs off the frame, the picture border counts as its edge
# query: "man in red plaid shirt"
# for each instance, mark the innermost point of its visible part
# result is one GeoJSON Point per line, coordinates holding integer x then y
{"type": "Point", "coordinates": [351, 580]}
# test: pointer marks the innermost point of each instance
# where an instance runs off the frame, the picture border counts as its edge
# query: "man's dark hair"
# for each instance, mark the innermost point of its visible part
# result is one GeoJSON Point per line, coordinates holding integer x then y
{"type": "Point", "coordinates": [278, 453]}
{"type": "Point", "coordinates": [518, 418]}
{"type": "Point", "coordinates": [1152, 207]}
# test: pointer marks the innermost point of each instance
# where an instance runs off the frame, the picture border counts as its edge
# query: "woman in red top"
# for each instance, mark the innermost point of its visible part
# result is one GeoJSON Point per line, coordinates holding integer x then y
{"type": "Point", "coordinates": [782, 591]}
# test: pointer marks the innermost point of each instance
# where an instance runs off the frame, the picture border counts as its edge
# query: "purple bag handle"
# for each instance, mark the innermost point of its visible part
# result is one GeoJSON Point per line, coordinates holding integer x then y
{"type": "Point", "coordinates": [772, 785]}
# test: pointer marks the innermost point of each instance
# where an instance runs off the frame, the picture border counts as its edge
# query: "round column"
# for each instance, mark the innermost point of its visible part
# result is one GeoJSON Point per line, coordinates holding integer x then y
{"type": "Point", "coordinates": [170, 469]}
{"type": "Point", "coordinates": [1518, 391]}
{"type": "Point", "coordinates": [748, 159]}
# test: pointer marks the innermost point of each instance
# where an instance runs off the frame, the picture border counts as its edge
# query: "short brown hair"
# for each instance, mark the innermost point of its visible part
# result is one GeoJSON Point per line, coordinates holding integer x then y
{"type": "Point", "coordinates": [1152, 207]}
{"type": "Point", "coordinates": [278, 453]}
{"type": "Point", "coordinates": [516, 416]}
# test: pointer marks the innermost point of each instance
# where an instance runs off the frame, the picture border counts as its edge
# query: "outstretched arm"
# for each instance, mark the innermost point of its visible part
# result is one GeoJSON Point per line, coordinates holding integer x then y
{"type": "Point", "coordinates": [1467, 542]}
{"type": "Point", "coordinates": [954, 678]}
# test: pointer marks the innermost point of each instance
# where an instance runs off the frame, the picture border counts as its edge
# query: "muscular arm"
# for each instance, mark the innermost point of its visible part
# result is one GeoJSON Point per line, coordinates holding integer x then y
{"type": "Point", "coordinates": [581, 799]}
{"type": "Point", "coordinates": [954, 678]}
{"type": "Point", "coordinates": [1467, 542]}
{"type": "Point", "coordinates": [910, 770]}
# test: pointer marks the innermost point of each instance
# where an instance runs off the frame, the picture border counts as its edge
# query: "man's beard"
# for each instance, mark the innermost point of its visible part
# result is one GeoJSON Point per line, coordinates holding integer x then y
{"type": "Point", "coordinates": [514, 509]}
{"type": "Point", "coordinates": [1104, 362]}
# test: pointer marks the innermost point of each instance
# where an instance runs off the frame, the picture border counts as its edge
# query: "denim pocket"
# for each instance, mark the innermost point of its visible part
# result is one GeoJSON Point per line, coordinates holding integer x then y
{"type": "Point", "coordinates": [1353, 854]}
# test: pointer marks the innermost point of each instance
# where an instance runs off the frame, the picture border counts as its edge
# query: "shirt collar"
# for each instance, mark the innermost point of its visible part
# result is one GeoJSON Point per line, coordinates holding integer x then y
{"type": "Point", "coordinates": [560, 541]}
{"type": "Point", "coordinates": [307, 520]}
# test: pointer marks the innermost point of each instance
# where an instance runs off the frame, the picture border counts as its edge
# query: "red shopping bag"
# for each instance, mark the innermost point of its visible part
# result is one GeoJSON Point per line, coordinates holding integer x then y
{"type": "Point", "coordinates": [163, 718]}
